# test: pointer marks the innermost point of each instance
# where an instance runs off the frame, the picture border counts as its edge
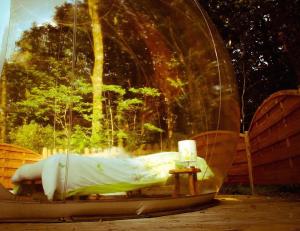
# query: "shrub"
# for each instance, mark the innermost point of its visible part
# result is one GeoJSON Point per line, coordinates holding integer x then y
{"type": "Point", "coordinates": [33, 136]}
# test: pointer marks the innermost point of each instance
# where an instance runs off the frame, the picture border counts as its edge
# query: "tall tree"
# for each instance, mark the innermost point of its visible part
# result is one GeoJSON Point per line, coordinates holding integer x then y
{"type": "Point", "coordinates": [97, 74]}
{"type": "Point", "coordinates": [3, 103]}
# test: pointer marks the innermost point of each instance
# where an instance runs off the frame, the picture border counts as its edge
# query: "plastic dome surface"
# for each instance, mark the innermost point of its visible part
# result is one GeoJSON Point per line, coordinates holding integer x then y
{"type": "Point", "coordinates": [141, 75]}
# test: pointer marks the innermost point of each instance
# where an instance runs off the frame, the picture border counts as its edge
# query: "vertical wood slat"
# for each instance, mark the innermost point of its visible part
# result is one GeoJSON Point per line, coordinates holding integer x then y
{"type": "Point", "coordinates": [250, 167]}
{"type": "Point", "coordinates": [239, 172]}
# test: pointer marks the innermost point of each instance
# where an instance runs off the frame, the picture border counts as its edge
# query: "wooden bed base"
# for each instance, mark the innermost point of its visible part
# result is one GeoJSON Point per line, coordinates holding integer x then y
{"type": "Point", "coordinates": [23, 209]}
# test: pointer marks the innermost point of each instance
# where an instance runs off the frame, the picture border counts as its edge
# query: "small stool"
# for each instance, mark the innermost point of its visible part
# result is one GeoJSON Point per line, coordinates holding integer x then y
{"type": "Point", "coordinates": [192, 178]}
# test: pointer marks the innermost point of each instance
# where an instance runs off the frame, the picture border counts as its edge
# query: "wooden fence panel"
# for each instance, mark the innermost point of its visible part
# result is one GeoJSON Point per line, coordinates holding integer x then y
{"type": "Point", "coordinates": [281, 172]}
{"type": "Point", "coordinates": [238, 173]}
{"type": "Point", "coordinates": [275, 139]}
{"type": "Point", "coordinates": [11, 158]}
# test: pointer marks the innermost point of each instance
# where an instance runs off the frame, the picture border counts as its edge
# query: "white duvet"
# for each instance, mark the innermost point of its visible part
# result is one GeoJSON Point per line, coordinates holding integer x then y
{"type": "Point", "coordinates": [101, 174]}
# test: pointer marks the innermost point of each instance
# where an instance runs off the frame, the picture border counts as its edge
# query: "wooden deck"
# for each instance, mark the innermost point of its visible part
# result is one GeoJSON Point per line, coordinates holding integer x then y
{"type": "Point", "coordinates": [234, 213]}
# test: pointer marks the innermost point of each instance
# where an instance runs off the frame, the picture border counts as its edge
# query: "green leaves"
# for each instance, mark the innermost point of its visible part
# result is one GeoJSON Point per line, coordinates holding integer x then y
{"type": "Point", "coordinates": [153, 128]}
{"type": "Point", "coordinates": [146, 91]}
{"type": "Point", "coordinates": [33, 136]}
{"type": "Point", "coordinates": [176, 83]}
{"type": "Point", "coordinates": [114, 88]}
{"type": "Point", "coordinates": [56, 102]}
{"type": "Point", "coordinates": [129, 104]}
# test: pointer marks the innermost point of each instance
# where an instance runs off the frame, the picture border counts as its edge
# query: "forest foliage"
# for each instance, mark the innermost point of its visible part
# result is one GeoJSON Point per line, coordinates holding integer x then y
{"type": "Point", "coordinates": [59, 94]}
{"type": "Point", "coordinates": [44, 90]}
{"type": "Point", "coordinates": [262, 37]}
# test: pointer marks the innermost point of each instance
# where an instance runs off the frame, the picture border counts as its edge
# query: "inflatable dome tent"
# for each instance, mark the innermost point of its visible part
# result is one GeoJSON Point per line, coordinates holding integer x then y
{"type": "Point", "coordinates": [130, 79]}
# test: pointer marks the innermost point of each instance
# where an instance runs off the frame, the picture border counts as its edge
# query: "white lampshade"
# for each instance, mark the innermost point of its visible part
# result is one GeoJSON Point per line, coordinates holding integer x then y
{"type": "Point", "coordinates": [187, 151]}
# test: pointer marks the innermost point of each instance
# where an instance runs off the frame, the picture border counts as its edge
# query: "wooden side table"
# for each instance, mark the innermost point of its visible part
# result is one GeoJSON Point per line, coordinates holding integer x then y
{"type": "Point", "coordinates": [192, 178]}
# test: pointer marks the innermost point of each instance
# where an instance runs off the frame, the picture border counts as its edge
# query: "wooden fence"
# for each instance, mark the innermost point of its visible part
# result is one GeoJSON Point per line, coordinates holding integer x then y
{"type": "Point", "coordinates": [50, 151]}
{"type": "Point", "coordinates": [273, 143]}
{"type": "Point", "coordinates": [274, 136]}
{"type": "Point", "coordinates": [11, 158]}
{"type": "Point", "coordinates": [239, 173]}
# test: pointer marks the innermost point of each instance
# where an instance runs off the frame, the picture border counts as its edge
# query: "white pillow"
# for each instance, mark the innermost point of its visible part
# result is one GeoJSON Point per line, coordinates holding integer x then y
{"type": "Point", "coordinates": [49, 175]}
{"type": "Point", "coordinates": [28, 172]}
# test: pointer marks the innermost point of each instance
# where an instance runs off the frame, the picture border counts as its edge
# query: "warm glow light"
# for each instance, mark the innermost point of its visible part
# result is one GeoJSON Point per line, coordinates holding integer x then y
{"type": "Point", "coordinates": [187, 151]}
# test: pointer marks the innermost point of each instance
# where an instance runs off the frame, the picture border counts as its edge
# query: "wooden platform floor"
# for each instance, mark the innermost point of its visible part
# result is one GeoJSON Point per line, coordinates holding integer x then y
{"type": "Point", "coordinates": [233, 213]}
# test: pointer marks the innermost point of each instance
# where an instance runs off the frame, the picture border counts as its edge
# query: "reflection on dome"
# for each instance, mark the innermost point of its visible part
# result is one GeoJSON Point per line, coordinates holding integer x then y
{"type": "Point", "coordinates": [140, 75]}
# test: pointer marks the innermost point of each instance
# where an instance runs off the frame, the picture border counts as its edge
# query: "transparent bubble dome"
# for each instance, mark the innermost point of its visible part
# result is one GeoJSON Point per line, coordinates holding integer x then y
{"type": "Point", "coordinates": [140, 75]}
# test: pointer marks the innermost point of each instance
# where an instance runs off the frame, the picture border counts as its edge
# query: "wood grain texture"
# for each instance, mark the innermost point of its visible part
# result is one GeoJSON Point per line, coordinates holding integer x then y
{"type": "Point", "coordinates": [238, 173]}
{"type": "Point", "coordinates": [274, 139]}
{"type": "Point", "coordinates": [234, 213]}
{"type": "Point", "coordinates": [11, 158]}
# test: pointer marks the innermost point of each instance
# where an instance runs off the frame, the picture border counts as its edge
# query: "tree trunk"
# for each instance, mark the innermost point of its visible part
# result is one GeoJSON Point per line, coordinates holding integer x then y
{"type": "Point", "coordinates": [97, 75]}
{"type": "Point", "coordinates": [3, 91]}
{"type": "Point", "coordinates": [170, 123]}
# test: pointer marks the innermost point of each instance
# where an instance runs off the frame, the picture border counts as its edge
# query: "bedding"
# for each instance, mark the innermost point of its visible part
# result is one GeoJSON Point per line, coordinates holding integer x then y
{"type": "Point", "coordinates": [102, 174]}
